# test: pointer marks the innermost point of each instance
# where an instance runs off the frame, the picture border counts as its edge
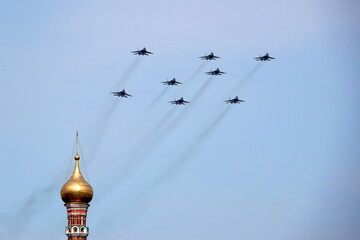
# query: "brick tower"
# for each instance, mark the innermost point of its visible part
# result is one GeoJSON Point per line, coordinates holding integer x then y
{"type": "Point", "coordinates": [76, 194]}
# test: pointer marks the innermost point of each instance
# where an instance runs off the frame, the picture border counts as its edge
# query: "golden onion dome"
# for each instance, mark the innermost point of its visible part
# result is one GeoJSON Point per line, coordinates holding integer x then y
{"type": "Point", "coordinates": [76, 189]}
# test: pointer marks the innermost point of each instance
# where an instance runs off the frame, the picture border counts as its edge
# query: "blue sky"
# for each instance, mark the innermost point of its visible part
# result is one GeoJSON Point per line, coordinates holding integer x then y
{"type": "Point", "coordinates": [283, 165]}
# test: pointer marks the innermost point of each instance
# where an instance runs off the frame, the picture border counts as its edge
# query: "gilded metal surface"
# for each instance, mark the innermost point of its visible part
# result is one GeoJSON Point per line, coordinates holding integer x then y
{"type": "Point", "coordinates": [76, 189]}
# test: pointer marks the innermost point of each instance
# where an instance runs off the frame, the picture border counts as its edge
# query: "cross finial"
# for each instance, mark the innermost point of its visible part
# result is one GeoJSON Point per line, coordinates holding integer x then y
{"type": "Point", "coordinates": [77, 143]}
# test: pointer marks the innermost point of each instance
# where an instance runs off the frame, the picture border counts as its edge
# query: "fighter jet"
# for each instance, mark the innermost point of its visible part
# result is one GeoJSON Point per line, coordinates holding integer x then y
{"type": "Point", "coordinates": [171, 82]}
{"type": "Point", "coordinates": [121, 94]}
{"type": "Point", "coordinates": [180, 101]}
{"type": "Point", "coordinates": [215, 72]}
{"type": "Point", "coordinates": [234, 100]}
{"type": "Point", "coordinates": [142, 52]}
{"type": "Point", "coordinates": [211, 56]}
{"type": "Point", "coordinates": [266, 57]}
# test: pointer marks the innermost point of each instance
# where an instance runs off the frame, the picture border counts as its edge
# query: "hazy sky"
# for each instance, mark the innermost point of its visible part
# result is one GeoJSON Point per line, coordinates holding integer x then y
{"type": "Point", "coordinates": [283, 165]}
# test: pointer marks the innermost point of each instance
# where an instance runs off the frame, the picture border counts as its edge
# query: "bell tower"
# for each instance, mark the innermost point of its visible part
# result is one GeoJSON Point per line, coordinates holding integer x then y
{"type": "Point", "coordinates": [76, 194]}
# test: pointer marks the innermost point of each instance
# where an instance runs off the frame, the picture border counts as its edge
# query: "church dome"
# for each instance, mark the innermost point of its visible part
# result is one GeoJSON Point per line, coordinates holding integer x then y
{"type": "Point", "coordinates": [76, 189]}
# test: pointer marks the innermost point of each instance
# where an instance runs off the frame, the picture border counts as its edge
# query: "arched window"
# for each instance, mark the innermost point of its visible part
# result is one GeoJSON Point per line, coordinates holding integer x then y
{"type": "Point", "coordinates": [75, 229]}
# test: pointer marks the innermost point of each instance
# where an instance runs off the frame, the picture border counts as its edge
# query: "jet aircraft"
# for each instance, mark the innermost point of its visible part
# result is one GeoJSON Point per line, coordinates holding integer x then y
{"type": "Point", "coordinates": [171, 82]}
{"type": "Point", "coordinates": [215, 72]}
{"type": "Point", "coordinates": [211, 56]}
{"type": "Point", "coordinates": [180, 101]}
{"type": "Point", "coordinates": [142, 52]}
{"type": "Point", "coordinates": [234, 100]}
{"type": "Point", "coordinates": [266, 57]}
{"type": "Point", "coordinates": [121, 94]}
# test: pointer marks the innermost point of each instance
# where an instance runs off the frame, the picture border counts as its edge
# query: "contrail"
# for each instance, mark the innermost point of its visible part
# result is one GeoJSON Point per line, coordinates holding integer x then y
{"type": "Point", "coordinates": [160, 123]}
{"type": "Point", "coordinates": [154, 102]}
{"type": "Point", "coordinates": [149, 141]}
{"type": "Point", "coordinates": [126, 75]}
{"type": "Point", "coordinates": [101, 128]}
{"type": "Point", "coordinates": [202, 89]}
{"type": "Point", "coordinates": [34, 203]}
{"type": "Point", "coordinates": [153, 136]}
{"type": "Point", "coordinates": [155, 129]}
{"type": "Point", "coordinates": [143, 115]}
{"type": "Point", "coordinates": [186, 155]}
{"type": "Point", "coordinates": [30, 208]}
{"type": "Point", "coordinates": [158, 131]}
{"type": "Point", "coordinates": [212, 125]}
{"type": "Point", "coordinates": [105, 118]}
{"type": "Point", "coordinates": [197, 70]}
{"type": "Point", "coordinates": [144, 147]}
{"type": "Point", "coordinates": [200, 92]}
{"type": "Point", "coordinates": [191, 77]}
{"type": "Point", "coordinates": [176, 122]}
{"type": "Point", "coordinates": [246, 78]}
{"type": "Point", "coordinates": [166, 175]}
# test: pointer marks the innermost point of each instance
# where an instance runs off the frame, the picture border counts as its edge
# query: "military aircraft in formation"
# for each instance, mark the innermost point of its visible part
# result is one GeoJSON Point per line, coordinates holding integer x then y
{"type": "Point", "coordinates": [234, 100]}
{"type": "Point", "coordinates": [142, 52]}
{"type": "Point", "coordinates": [211, 56]}
{"type": "Point", "coordinates": [266, 57]}
{"type": "Point", "coordinates": [121, 94]}
{"type": "Point", "coordinates": [171, 82]}
{"type": "Point", "coordinates": [216, 72]}
{"type": "Point", "coordinates": [180, 101]}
